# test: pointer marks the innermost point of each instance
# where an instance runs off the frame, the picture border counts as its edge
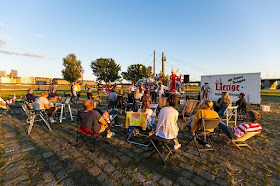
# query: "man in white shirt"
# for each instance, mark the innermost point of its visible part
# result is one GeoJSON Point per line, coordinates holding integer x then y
{"type": "Point", "coordinates": [42, 103]}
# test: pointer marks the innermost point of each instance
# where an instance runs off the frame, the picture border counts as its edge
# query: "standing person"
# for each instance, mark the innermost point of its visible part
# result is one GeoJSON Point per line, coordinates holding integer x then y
{"type": "Point", "coordinates": [110, 87]}
{"type": "Point", "coordinates": [71, 89]}
{"type": "Point", "coordinates": [42, 103]}
{"type": "Point", "coordinates": [132, 88]}
{"type": "Point", "coordinates": [99, 87]}
{"type": "Point", "coordinates": [160, 90]}
{"type": "Point", "coordinates": [78, 90]}
{"type": "Point", "coordinates": [74, 92]}
{"type": "Point", "coordinates": [156, 78]}
{"type": "Point", "coordinates": [205, 89]}
{"type": "Point", "coordinates": [167, 121]}
{"type": "Point", "coordinates": [154, 93]}
{"type": "Point", "coordinates": [112, 98]}
{"type": "Point", "coordinates": [141, 88]}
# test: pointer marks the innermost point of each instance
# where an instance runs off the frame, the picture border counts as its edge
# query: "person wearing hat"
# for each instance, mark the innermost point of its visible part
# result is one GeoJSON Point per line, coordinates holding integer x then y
{"type": "Point", "coordinates": [205, 89]}
{"type": "Point", "coordinates": [241, 103]}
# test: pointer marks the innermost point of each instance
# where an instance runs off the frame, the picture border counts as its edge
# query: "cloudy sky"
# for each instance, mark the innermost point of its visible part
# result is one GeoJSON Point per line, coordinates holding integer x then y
{"type": "Point", "coordinates": [198, 37]}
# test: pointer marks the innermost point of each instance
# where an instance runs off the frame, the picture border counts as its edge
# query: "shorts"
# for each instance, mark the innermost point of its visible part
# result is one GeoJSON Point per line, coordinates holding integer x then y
{"type": "Point", "coordinates": [50, 110]}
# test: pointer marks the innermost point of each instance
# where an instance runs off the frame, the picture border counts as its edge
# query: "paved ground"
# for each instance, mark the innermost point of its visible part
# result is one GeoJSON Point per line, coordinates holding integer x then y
{"type": "Point", "coordinates": [51, 158]}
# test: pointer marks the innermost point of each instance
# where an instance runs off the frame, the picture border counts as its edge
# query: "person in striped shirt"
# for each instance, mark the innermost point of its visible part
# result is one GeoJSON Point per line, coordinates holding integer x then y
{"type": "Point", "coordinates": [240, 130]}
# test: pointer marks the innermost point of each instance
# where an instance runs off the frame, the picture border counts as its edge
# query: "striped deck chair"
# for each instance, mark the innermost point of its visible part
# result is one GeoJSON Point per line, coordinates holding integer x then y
{"type": "Point", "coordinates": [189, 107]}
{"type": "Point", "coordinates": [162, 102]}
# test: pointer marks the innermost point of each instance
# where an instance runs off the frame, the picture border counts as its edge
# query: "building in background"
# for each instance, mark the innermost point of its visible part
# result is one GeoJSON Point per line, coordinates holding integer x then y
{"type": "Point", "coordinates": [13, 74]}
{"type": "Point", "coordinates": [60, 81]}
{"type": "Point", "coordinates": [3, 73]}
{"type": "Point", "coordinates": [42, 81]}
{"type": "Point", "coordinates": [26, 80]}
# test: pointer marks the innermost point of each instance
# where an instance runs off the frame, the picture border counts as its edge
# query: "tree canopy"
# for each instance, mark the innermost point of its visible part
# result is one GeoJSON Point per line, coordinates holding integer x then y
{"type": "Point", "coordinates": [136, 71]}
{"type": "Point", "coordinates": [73, 68]}
{"type": "Point", "coordinates": [106, 69]}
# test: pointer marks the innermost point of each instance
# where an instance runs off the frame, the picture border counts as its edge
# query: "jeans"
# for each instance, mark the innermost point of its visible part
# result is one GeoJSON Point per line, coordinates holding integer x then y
{"type": "Point", "coordinates": [114, 112]}
{"type": "Point", "coordinates": [221, 111]}
{"type": "Point", "coordinates": [224, 128]}
{"type": "Point", "coordinates": [112, 104]}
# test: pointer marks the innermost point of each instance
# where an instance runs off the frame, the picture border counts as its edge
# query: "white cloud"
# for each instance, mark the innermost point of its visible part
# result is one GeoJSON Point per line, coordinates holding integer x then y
{"type": "Point", "coordinates": [56, 58]}
{"type": "Point", "coordinates": [4, 41]}
{"type": "Point", "coordinates": [40, 35]}
{"type": "Point", "coordinates": [29, 54]}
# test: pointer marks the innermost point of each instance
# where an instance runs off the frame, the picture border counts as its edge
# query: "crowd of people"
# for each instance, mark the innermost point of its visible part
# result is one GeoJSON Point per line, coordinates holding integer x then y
{"type": "Point", "coordinates": [139, 99]}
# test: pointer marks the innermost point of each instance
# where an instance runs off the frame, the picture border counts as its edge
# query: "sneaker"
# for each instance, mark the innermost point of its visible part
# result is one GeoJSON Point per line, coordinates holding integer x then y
{"type": "Point", "coordinates": [52, 120]}
{"type": "Point", "coordinates": [177, 146]}
{"type": "Point", "coordinates": [207, 145]}
{"type": "Point", "coordinates": [110, 135]}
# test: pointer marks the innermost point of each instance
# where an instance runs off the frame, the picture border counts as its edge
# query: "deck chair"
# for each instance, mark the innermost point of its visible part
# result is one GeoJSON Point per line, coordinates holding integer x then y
{"type": "Point", "coordinates": [136, 122]}
{"type": "Point", "coordinates": [32, 117]}
{"type": "Point", "coordinates": [240, 142]}
{"type": "Point", "coordinates": [162, 102]}
{"type": "Point", "coordinates": [204, 135]}
{"type": "Point", "coordinates": [85, 133]}
{"type": "Point", "coordinates": [158, 146]}
{"type": "Point", "coordinates": [189, 107]}
{"type": "Point", "coordinates": [229, 114]}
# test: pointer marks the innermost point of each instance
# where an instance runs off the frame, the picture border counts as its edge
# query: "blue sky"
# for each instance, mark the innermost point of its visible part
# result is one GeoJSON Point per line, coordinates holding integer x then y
{"type": "Point", "coordinates": [199, 37]}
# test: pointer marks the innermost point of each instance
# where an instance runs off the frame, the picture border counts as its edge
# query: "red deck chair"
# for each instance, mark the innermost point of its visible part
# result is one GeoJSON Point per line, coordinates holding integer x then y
{"type": "Point", "coordinates": [85, 133]}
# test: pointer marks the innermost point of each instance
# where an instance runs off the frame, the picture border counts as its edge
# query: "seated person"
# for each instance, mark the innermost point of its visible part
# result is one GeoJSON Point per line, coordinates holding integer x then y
{"type": "Point", "coordinates": [241, 103]}
{"type": "Point", "coordinates": [128, 102]}
{"type": "Point", "coordinates": [29, 96]}
{"type": "Point", "coordinates": [42, 103]}
{"type": "Point", "coordinates": [3, 103]}
{"type": "Point", "coordinates": [223, 103]}
{"type": "Point", "coordinates": [150, 114]}
{"type": "Point", "coordinates": [205, 112]}
{"type": "Point", "coordinates": [92, 120]}
{"type": "Point", "coordinates": [90, 96]}
{"type": "Point", "coordinates": [167, 121]}
{"type": "Point", "coordinates": [137, 95]}
{"type": "Point", "coordinates": [146, 96]}
{"type": "Point", "coordinates": [53, 96]}
{"type": "Point", "coordinates": [240, 130]}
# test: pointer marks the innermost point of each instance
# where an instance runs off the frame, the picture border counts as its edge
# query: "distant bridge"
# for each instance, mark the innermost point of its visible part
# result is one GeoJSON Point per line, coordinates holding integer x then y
{"type": "Point", "coordinates": [269, 83]}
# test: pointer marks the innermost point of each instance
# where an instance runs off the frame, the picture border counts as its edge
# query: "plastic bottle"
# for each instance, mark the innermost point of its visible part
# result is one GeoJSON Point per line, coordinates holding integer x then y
{"type": "Point", "coordinates": [14, 100]}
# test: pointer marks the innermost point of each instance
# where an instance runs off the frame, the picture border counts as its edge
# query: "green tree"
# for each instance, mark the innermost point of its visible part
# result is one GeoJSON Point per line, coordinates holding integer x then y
{"type": "Point", "coordinates": [73, 68]}
{"type": "Point", "coordinates": [135, 72]}
{"type": "Point", "coordinates": [106, 69]}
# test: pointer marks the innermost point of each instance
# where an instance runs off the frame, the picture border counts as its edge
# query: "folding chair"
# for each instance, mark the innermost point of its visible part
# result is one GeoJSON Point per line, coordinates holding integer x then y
{"type": "Point", "coordinates": [189, 107]}
{"type": "Point", "coordinates": [31, 117]}
{"type": "Point", "coordinates": [230, 113]}
{"type": "Point", "coordinates": [136, 121]}
{"type": "Point", "coordinates": [158, 145]}
{"type": "Point", "coordinates": [240, 142]}
{"type": "Point", "coordinates": [83, 133]}
{"type": "Point", "coordinates": [241, 114]}
{"type": "Point", "coordinates": [203, 132]}
{"type": "Point", "coordinates": [162, 102]}
{"type": "Point", "coordinates": [5, 109]}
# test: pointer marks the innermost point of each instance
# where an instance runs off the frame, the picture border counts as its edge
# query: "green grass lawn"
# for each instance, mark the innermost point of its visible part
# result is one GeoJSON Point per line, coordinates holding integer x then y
{"type": "Point", "coordinates": [8, 94]}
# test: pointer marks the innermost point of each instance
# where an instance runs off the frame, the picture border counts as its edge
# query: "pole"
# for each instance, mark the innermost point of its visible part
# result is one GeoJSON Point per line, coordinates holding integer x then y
{"type": "Point", "coordinates": [163, 60]}
{"type": "Point", "coordinates": [154, 67]}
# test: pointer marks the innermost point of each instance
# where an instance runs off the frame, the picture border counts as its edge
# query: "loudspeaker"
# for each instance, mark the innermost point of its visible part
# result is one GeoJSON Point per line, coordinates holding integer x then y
{"type": "Point", "coordinates": [186, 78]}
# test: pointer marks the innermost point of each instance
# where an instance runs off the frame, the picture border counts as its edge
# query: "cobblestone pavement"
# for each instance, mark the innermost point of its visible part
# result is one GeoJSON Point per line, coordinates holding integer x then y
{"type": "Point", "coordinates": [51, 158]}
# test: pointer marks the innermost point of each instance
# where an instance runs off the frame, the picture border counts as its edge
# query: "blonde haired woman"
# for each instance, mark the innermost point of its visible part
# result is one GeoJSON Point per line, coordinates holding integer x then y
{"type": "Point", "coordinates": [150, 114]}
{"type": "Point", "coordinates": [224, 102]}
